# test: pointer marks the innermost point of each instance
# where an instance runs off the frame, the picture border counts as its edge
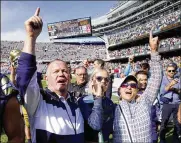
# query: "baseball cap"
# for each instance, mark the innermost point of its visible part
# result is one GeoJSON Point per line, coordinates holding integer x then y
{"type": "Point", "coordinates": [120, 81]}
{"type": "Point", "coordinates": [172, 64]}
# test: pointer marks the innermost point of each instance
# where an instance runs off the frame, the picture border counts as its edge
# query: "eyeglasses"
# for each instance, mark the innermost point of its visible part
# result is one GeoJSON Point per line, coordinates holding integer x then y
{"type": "Point", "coordinates": [100, 78]}
{"type": "Point", "coordinates": [82, 74]}
{"type": "Point", "coordinates": [171, 70]}
{"type": "Point", "coordinates": [132, 85]}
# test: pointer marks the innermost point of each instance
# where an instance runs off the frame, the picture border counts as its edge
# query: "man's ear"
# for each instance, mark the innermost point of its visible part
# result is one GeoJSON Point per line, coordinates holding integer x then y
{"type": "Point", "coordinates": [46, 78]}
{"type": "Point", "coordinates": [118, 91]}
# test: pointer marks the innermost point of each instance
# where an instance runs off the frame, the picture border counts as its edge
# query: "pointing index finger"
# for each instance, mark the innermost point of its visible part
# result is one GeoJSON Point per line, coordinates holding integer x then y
{"type": "Point", "coordinates": [37, 12]}
{"type": "Point", "coordinates": [151, 33]}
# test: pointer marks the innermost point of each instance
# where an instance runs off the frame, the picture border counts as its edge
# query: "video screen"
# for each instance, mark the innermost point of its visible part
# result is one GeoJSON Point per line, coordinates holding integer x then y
{"type": "Point", "coordinates": [70, 28]}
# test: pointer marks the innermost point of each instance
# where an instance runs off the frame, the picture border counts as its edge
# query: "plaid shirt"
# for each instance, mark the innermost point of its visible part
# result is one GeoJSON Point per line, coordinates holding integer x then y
{"type": "Point", "coordinates": [137, 114]}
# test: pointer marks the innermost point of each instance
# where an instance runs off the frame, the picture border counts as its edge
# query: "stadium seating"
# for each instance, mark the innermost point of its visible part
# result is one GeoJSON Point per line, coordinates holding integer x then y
{"type": "Point", "coordinates": [141, 28]}
{"type": "Point", "coordinates": [169, 44]}
{"type": "Point", "coordinates": [46, 52]}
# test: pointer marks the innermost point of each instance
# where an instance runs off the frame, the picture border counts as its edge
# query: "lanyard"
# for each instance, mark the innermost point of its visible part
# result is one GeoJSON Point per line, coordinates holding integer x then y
{"type": "Point", "coordinates": [126, 124]}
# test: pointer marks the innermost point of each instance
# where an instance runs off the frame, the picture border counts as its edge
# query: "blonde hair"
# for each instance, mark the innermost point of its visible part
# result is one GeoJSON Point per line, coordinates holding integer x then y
{"type": "Point", "coordinates": [92, 76]}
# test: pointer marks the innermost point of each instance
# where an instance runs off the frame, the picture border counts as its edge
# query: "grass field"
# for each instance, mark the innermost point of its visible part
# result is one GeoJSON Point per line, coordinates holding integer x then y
{"type": "Point", "coordinates": [115, 99]}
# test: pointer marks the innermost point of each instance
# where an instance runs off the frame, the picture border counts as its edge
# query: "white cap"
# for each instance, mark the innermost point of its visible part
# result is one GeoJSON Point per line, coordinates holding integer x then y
{"type": "Point", "coordinates": [118, 82]}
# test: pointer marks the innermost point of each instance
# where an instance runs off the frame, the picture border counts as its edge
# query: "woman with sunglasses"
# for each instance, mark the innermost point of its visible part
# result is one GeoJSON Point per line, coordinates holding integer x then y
{"type": "Point", "coordinates": [132, 121]}
{"type": "Point", "coordinates": [98, 85]}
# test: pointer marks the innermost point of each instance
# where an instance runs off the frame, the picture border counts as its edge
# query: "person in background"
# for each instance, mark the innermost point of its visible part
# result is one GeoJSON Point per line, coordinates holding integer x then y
{"type": "Point", "coordinates": [98, 85]}
{"type": "Point", "coordinates": [170, 96]}
{"type": "Point", "coordinates": [14, 56]}
{"type": "Point", "coordinates": [10, 117]}
{"type": "Point", "coordinates": [99, 63]}
{"type": "Point", "coordinates": [78, 88]}
{"type": "Point", "coordinates": [145, 66]}
{"type": "Point", "coordinates": [131, 67]}
{"type": "Point", "coordinates": [86, 63]}
{"type": "Point", "coordinates": [142, 77]}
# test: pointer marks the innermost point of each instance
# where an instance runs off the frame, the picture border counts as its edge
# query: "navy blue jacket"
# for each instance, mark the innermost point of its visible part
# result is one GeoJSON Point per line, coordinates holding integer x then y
{"type": "Point", "coordinates": [86, 109]}
{"type": "Point", "coordinates": [53, 119]}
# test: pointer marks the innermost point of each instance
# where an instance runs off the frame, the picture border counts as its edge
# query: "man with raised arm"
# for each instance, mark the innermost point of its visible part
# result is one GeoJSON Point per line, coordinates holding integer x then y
{"type": "Point", "coordinates": [53, 114]}
{"type": "Point", "coordinates": [132, 122]}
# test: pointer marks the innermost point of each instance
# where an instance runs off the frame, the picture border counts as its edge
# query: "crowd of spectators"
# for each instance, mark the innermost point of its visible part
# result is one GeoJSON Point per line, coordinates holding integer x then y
{"type": "Point", "coordinates": [119, 67]}
{"type": "Point", "coordinates": [48, 51]}
{"type": "Point", "coordinates": [66, 52]}
{"type": "Point", "coordinates": [142, 28]}
{"type": "Point", "coordinates": [95, 92]}
{"type": "Point", "coordinates": [165, 44]}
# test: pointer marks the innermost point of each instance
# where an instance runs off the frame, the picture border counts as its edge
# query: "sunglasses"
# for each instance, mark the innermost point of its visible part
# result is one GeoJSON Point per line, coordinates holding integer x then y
{"type": "Point", "coordinates": [171, 70]}
{"type": "Point", "coordinates": [100, 78]}
{"type": "Point", "coordinates": [132, 85]}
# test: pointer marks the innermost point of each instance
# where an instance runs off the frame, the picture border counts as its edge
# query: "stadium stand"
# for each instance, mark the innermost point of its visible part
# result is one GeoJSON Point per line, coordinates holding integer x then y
{"type": "Point", "coordinates": [49, 51]}
{"type": "Point", "coordinates": [127, 22]}
{"type": "Point", "coordinates": [126, 27]}
{"type": "Point", "coordinates": [166, 44]}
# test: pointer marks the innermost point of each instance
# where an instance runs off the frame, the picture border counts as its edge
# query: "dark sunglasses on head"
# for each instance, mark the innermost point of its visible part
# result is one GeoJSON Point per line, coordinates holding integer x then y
{"type": "Point", "coordinates": [132, 85]}
{"type": "Point", "coordinates": [171, 70]}
{"type": "Point", "coordinates": [100, 78]}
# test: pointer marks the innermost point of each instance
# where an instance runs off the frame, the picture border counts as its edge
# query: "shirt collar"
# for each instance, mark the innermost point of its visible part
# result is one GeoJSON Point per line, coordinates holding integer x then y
{"type": "Point", "coordinates": [57, 96]}
{"type": "Point", "coordinates": [63, 98]}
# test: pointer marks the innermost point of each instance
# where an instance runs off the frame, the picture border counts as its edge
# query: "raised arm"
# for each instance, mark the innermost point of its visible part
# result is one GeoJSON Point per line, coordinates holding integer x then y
{"type": "Point", "coordinates": [33, 27]}
{"type": "Point", "coordinates": [26, 71]}
{"type": "Point", "coordinates": [95, 119]}
{"type": "Point", "coordinates": [156, 71]}
{"type": "Point", "coordinates": [127, 69]}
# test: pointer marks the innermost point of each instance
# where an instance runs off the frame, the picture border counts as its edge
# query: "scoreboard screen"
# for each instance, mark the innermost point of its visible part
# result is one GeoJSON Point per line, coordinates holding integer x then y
{"type": "Point", "coordinates": [70, 28]}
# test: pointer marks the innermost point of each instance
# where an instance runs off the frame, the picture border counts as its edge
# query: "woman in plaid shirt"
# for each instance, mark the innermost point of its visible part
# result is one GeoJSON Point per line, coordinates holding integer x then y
{"type": "Point", "coordinates": [132, 122]}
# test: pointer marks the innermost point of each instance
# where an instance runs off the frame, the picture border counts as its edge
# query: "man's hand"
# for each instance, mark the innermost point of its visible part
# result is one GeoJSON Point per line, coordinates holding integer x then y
{"type": "Point", "coordinates": [34, 25]}
{"type": "Point", "coordinates": [170, 85]}
{"type": "Point", "coordinates": [154, 42]}
{"type": "Point", "coordinates": [97, 90]}
{"type": "Point", "coordinates": [173, 82]}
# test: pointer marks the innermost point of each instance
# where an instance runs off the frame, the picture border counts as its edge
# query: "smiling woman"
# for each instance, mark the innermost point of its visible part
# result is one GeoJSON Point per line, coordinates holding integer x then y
{"type": "Point", "coordinates": [128, 88]}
